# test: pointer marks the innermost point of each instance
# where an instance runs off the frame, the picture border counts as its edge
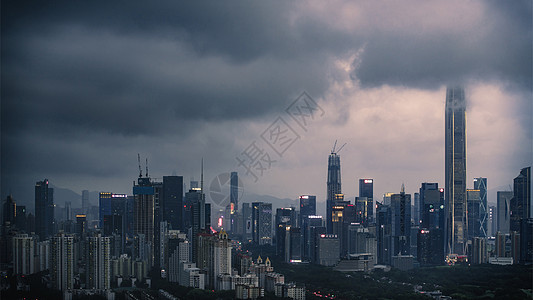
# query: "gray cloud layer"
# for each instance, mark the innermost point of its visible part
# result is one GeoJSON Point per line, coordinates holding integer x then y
{"type": "Point", "coordinates": [87, 85]}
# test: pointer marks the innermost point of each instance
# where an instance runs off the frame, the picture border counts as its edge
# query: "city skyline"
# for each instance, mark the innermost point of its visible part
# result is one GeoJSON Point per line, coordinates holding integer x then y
{"type": "Point", "coordinates": [78, 115]}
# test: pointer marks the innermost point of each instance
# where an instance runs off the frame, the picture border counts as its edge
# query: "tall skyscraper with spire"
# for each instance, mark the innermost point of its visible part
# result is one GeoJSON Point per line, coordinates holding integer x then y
{"type": "Point", "coordinates": [455, 170]}
{"type": "Point", "coordinates": [333, 185]}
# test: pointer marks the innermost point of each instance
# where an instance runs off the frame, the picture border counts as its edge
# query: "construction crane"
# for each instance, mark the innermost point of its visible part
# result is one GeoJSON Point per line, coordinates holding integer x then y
{"type": "Point", "coordinates": [147, 167]}
{"type": "Point", "coordinates": [140, 170]}
{"type": "Point", "coordinates": [335, 145]}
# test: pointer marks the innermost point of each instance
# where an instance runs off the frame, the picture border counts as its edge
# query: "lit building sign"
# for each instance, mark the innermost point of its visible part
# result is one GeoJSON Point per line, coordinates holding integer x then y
{"type": "Point", "coordinates": [368, 181]}
{"type": "Point", "coordinates": [119, 196]}
{"type": "Point", "coordinates": [304, 197]}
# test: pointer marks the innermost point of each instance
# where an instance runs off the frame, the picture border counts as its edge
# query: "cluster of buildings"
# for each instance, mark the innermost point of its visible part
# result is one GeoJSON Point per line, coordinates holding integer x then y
{"type": "Point", "coordinates": [161, 231]}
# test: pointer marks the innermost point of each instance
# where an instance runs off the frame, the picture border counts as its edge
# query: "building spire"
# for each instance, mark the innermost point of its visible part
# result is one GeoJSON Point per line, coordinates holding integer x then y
{"type": "Point", "coordinates": [402, 191]}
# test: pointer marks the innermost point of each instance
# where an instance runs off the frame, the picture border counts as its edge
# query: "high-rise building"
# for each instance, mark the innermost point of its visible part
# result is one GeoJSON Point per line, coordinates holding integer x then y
{"type": "Point", "coordinates": [520, 204]}
{"type": "Point", "coordinates": [10, 211]}
{"type": "Point", "coordinates": [366, 189]}
{"type": "Point", "coordinates": [473, 200]}
{"type": "Point", "coordinates": [480, 184]}
{"type": "Point", "coordinates": [195, 199]}
{"type": "Point", "coordinates": [20, 218]}
{"type": "Point", "coordinates": [85, 200]}
{"type": "Point", "coordinates": [144, 193]}
{"type": "Point", "coordinates": [455, 170]}
{"type": "Point", "coordinates": [24, 254]}
{"type": "Point", "coordinates": [98, 268]}
{"type": "Point", "coordinates": [384, 233]}
{"type": "Point", "coordinates": [62, 261]}
{"type": "Point", "coordinates": [333, 186]}
{"type": "Point", "coordinates": [401, 223]}
{"type": "Point", "coordinates": [234, 190]}
{"type": "Point", "coordinates": [416, 209]}
{"type": "Point", "coordinates": [361, 210]}
{"type": "Point", "coordinates": [285, 219]}
{"type": "Point", "coordinates": [262, 223]}
{"type": "Point", "coordinates": [430, 236]}
{"type": "Point", "coordinates": [172, 201]}
{"type": "Point", "coordinates": [44, 210]}
{"type": "Point", "coordinates": [307, 208]}
{"type": "Point", "coordinates": [493, 220]}
{"type": "Point", "coordinates": [504, 211]}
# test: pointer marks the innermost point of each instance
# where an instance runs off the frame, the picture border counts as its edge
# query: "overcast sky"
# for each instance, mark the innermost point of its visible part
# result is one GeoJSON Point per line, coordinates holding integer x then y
{"type": "Point", "coordinates": [88, 85]}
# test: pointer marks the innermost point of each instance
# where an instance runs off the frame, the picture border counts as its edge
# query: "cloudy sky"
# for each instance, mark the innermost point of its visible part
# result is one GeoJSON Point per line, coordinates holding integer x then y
{"type": "Point", "coordinates": [88, 85]}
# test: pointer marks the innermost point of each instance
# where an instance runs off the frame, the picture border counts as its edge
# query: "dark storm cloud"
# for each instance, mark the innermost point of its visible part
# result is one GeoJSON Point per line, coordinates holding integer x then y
{"type": "Point", "coordinates": [87, 85]}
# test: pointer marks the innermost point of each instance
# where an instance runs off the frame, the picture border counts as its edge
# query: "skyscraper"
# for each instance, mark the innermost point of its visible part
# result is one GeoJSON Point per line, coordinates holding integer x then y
{"type": "Point", "coordinates": [172, 202]}
{"type": "Point", "coordinates": [366, 189]}
{"type": "Point", "coordinates": [62, 261]}
{"type": "Point", "coordinates": [144, 192]}
{"type": "Point", "coordinates": [401, 223]}
{"type": "Point", "coordinates": [480, 184]}
{"type": "Point", "coordinates": [521, 201]}
{"type": "Point", "coordinates": [84, 200]}
{"type": "Point", "coordinates": [234, 190]}
{"type": "Point", "coordinates": [44, 210]}
{"type": "Point", "coordinates": [333, 186]}
{"type": "Point", "coordinates": [503, 211]}
{"type": "Point", "coordinates": [455, 170]}
{"type": "Point", "coordinates": [262, 223]}
{"type": "Point", "coordinates": [98, 269]}
{"type": "Point", "coordinates": [473, 200]}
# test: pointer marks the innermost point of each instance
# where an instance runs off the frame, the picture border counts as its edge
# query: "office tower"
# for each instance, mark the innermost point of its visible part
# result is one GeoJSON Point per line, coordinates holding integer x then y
{"type": "Point", "coordinates": [234, 191]}
{"type": "Point", "coordinates": [480, 184]}
{"type": "Point", "coordinates": [526, 241]}
{"type": "Point", "coordinates": [504, 211]}
{"type": "Point", "coordinates": [293, 245]}
{"type": "Point", "coordinates": [314, 233]}
{"type": "Point", "coordinates": [98, 268]}
{"type": "Point", "coordinates": [328, 249]}
{"type": "Point", "coordinates": [68, 210]}
{"type": "Point", "coordinates": [309, 242]}
{"type": "Point", "coordinates": [24, 254]}
{"type": "Point", "coordinates": [285, 219]}
{"type": "Point", "coordinates": [222, 256]}
{"type": "Point", "coordinates": [361, 210]}
{"type": "Point", "coordinates": [416, 209]}
{"type": "Point", "coordinates": [172, 204]}
{"type": "Point", "coordinates": [246, 214]}
{"type": "Point", "coordinates": [473, 200]}
{"type": "Point", "coordinates": [492, 222]}
{"type": "Point", "coordinates": [262, 223]}
{"type": "Point", "coordinates": [430, 236]}
{"type": "Point", "coordinates": [144, 194]}
{"type": "Point", "coordinates": [195, 199]}
{"type": "Point", "coordinates": [520, 204]}
{"type": "Point", "coordinates": [479, 253]}
{"type": "Point", "coordinates": [366, 189]}
{"type": "Point", "coordinates": [455, 170]}
{"type": "Point", "coordinates": [307, 208]}
{"type": "Point", "coordinates": [384, 233]}
{"type": "Point", "coordinates": [401, 223]}
{"type": "Point", "coordinates": [81, 224]}
{"type": "Point", "coordinates": [85, 200]}
{"type": "Point", "coordinates": [20, 218]}
{"type": "Point", "coordinates": [44, 210]}
{"type": "Point", "coordinates": [9, 211]}
{"type": "Point", "coordinates": [62, 261]}
{"type": "Point", "coordinates": [333, 185]}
